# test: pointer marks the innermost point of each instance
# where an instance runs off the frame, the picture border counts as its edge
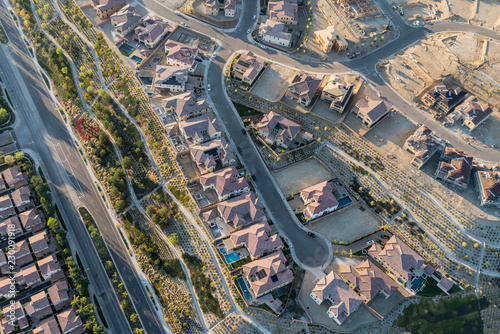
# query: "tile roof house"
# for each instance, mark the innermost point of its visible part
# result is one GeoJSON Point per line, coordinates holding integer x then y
{"type": "Point", "coordinates": [225, 183]}
{"type": "Point", "coordinates": [14, 315]}
{"type": "Point", "coordinates": [302, 88]}
{"type": "Point", "coordinates": [47, 326]}
{"type": "Point", "coordinates": [475, 112]}
{"type": "Point", "coordinates": [58, 293]}
{"type": "Point", "coordinates": [2, 184]}
{"type": "Point", "coordinates": [373, 109]}
{"type": "Point", "coordinates": [401, 260]}
{"type": "Point", "coordinates": [31, 220]}
{"type": "Point", "coordinates": [330, 38]}
{"type": "Point", "coordinates": [181, 55]}
{"type": "Point", "coordinates": [240, 211]}
{"type": "Point", "coordinates": [488, 188]}
{"type": "Point", "coordinates": [171, 77]}
{"type": "Point", "coordinates": [39, 244]}
{"type": "Point", "coordinates": [5, 288]}
{"type": "Point", "coordinates": [342, 300]}
{"type": "Point", "coordinates": [28, 276]}
{"type": "Point", "coordinates": [22, 198]}
{"type": "Point", "coordinates": [106, 8]}
{"type": "Point", "coordinates": [22, 253]}
{"type": "Point", "coordinates": [70, 322]}
{"type": "Point", "coordinates": [151, 31]}
{"type": "Point", "coordinates": [278, 130]}
{"type": "Point", "coordinates": [455, 168]}
{"type": "Point", "coordinates": [185, 106]}
{"type": "Point", "coordinates": [444, 97]}
{"type": "Point", "coordinates": [213, 7]}
{"type": "Point", "coordinates": [267, 274]}
{"type": "Point", "coordinates": [125, 20]}
{"type": "Point", "coordinates": [445, 284]}
{"type": "Point", "coordinates": [337, 93]}
{"type": "Point", "coordinates": [422, 145]}
{"type": "Point", "coordinates": [39, 306]}
{"type": "Point", "coordinates": [212, 154]}
{"type": "Point", "coordinates": [10, 225]}
{"type": "Point", "coordinates": [369, 280]}
{"type": "Point", "coordinates": [200, 129]}
{"type": "Point", "coordinates": [283, 11]}
{"type": "Point", "coordinates": [319, 199]}
{"type": "Point", "coordinates": [14, 177]}
{"type": "Point", "coordinates": [50, 268]}
{"type": "Point", "coordinates": [248, 67]}
{"type": "Point", "coordinates": [256, 240]}
{"type": "Point", "coordinates": [6, 207]}
{"type": "Point", "coordinates": [276, 33]}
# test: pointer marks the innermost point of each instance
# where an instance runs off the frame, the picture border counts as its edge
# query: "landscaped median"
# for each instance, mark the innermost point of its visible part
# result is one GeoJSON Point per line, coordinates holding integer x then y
{"type": "Point", "coordinates": [114, 277]}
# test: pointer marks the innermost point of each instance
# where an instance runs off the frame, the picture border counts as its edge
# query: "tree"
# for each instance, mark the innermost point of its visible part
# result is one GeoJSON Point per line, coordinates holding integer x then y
{"type": "Point", "coordinates": [120, 206]}
{"type": "Point", "coordinates": [134, 317]}
{"type": "Point", "coordinates": [19, 156]}
{"type": "Point", "coordinates": [4, 116]}
{"type": "Point", "coordinates": [9, 159]}
{"type": "Point", "coordinates": [174, 239]}
{"type": "Point", "coordinates": [59, 51]}
{"type": "Point", "coordinates": [151, 210]}
{"type": "Point", "coordinates": [127, 163]}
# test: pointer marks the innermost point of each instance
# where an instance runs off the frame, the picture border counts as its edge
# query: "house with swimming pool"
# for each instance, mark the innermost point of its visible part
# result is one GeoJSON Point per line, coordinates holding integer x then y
{"type": "Point", "coordinates": [125, 20]}
{"type": "Point", "coordinates": [151, 32]}
{"type": "Point", "coordinates": [319, 199]}
{"type": "Point", "coordinates": [257, 240]}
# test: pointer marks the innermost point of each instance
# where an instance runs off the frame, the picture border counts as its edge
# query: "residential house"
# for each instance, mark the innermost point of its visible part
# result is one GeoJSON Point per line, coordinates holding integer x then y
{"type": "Point", "coordinates": [283, 11]}
{"type": "Point", "coordinates": [213, 7]}
{"type": "Point", "coordinates": [319, 199]}
{"type": "Point", "coordinates": [5, 288]}
{"type": "Point", "coordinates": [200, 129]}
{"type": "Point", "coordinates": [397, 257]}
{"type": "Point", "coordinates": [210, 155]}
{"type": "Point", "coordinates": [230, 8]}
{"type": "Point", "coordinates": [39, 244]}
{"type": "Point", "coordinates": [58, 293]}
{"type": "Point", "coordinates": [248, 67]}
{"type": "Point", "coordinates": [330, 38]}
{"type": "Point", "coordinates": [340, 298]}
{"type": "Point", "coordinates": [373, 109]}
{"type": "Point", "coordinates": [241, 211]}
{"type": "Point", "coordinates": [31, 220]}
{"type": "Point", "coordinates": [171, 77]}
{"type": "Point", "coordinates": [10, 226]}
{"type": "Point", "coordinates": [27, 276]}
{"type": "Point", "coordinates": [368, 280]}
{"type": "Point", "coordinates": [276, 33]}
{"type": "Point", "coordinates": [106, 8]}
{"type": "Point", "coordinates": [488, 188]}
{"type": "Point", "coordinates": [39, 306]}
{"type": "Point", "coordinates": [256, 239]}
{"type": "Point", "coordinates": [185, 106]}
{"type": "Point", "coordinates": [181, 55]}
{"type": "Point", "coordinates": [22, 253]}
{"type": "Point", "coordinates": [50, 268]}
{"type": "Point", "coordinates": [125, 20]}
{"type": "Point", "coordinates": [225, 183]}
{"type": "Point", "coordinates": [302, 88]}
{"type": "Point", "coordinates": [14, 318]}
{"type": "Point", "coordinates": [22, 198]}
{"type": "Point", "coordinates": [474, 111]}
{"type": "Point", "coordinates": [6, 207]}
{"type": "Point", "coordinates": [455, 168]}
{"type": "Point", "coordinates": [337, 93]}
{"type": "Point", "coordinates": [151, 32]}
{"type": "Point", "coordinates": [444, 97]}
{"type": "Point", "coordinates": [14, 177]}
{"type": "Point", "coordinates": [70, 322]}
{"type": "Point", "coordinates": [422, 145]}
{"type": "Point", "coordinates": [278, 130]}
{"type": "Point", "coordinates": [47, 326]}
{"type": "Point", "coordinates": [267, 274]}
{"type": "Point", "coordinates": [3, 186]}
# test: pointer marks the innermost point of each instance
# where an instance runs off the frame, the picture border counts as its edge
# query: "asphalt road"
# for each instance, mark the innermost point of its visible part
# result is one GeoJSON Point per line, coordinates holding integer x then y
{"type": "Point", "coordinates": [40, 129]}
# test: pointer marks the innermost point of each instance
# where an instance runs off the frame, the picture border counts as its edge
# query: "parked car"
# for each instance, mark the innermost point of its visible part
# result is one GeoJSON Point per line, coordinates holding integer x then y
{"type": "Point", "coordinates": [177, 12]}
{"type": "Point", "coordinates": [209, 88]}
{"type": "Point", "coordinates": [240, 150]}
{"type": "Point", "coordinates": [183, 24]}
{"type": "Point", "coordinates": [243, 131]}
{"type": "Point", "coordinates": [254, 178]}
{"type": "Point", "coordinates": [254, 17]}
{"type": "Point", "coordinates": [263, 46]}
{"type": "Point", "coordinates": [370, 242]}
{"type": "Point", "coordinates": [379, 241]}
{"type": "Point", "coordinates": [385, 236]}
{"type": "Point", "coordinates": [311, 234]}
{"type": "Point", "coordinates": [249, 31]}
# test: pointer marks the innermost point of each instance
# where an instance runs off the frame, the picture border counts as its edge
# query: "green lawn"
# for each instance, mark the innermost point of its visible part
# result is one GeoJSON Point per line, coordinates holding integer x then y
{"type": "Point", "coordinates": [431, 289]}
{"type": "Point", "coordinates": [245, 111]}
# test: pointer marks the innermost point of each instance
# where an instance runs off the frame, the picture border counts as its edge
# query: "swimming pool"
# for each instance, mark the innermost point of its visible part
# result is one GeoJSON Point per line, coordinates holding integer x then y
{"type": "Point", "coordinates": [230, 258]}
{"type": "Point", "coordinates": [344, 201]}
{"type": "Point", "coordinates": [126, 48]}
{"type": "Point", "coordinates": [244, 288]}
{"type": "Point", "coordinates": [147, 80]}
{"type": "Point", "coordinates": [416, 283]}
{"type": "Point", "coordinates": [137, 59]}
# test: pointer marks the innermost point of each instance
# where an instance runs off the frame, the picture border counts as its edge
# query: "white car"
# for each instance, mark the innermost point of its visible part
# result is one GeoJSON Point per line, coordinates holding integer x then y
{"type": "Point", "coordinates": [263, 46]}
{"type": "Point", "coordinates": [177, 12]}
{"type": "Point", "coordinates": [370, 242]}
{"type": "Point", "coordinates": [210, 88]}
{"type": "Point", "coordinates": [249, 31]}
{"type": "Point", "coordinates": [183, 24]}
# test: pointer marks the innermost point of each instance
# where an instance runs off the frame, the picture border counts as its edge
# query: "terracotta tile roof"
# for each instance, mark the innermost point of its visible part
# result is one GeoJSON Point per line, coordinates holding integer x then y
{"type": "Point", "coordinates": [369, 279]}
{"type": "Point", "coordinates": [5, 202]}
{"type": "Point", "coordinates": [6, 226]}
{"type": "Point", "coordinates": [48, 265]}
{"type": "Point", "coordinates": [29, 275]}
{"type": "Point", "coordinates": [321, 196]}
{"type": "Point", "coordinates": [374, 108]}
{"type": "Point", "coordinates": [212, 4]}
{"type": "Point", "coordinates": [151, 29]}
{"type": "Point", "coordinates": [125, 18]}
{"type": "Point", "coordinates": [241, 210]}
{"type": "Point", "coordinates": [207, 154]}
{"type": "Point", "coordinates": [283, 128]}
{"type": "Point", "coordinates": [282, 8]}
{"type": "Point", "coordinates": [248, 65]}
{"type": "Point", "coordinates": [446, 283]}
{"type": "Point", "coordinates": [208, 216]}
{"type": "Point", "coordinates": [18, 316]}
{"type": "Point", "coordinates": [170, 75]}
{"type": "Point", "coordinates": [109, 4]}
{"type": "Point", "coordinates": [490, 184]}
{"type": "Point", "coordinates": [181, 52]}
{"type": "Point", "coordinates": [58, 293]}
{"type": "Point", "coordinates": [184, 104]}
{"type": "Point", "coordinates": [13, 175]}
{"type": "Point", "coordinates": [400, 257]}
{"type": "Point", "coordinates": [268, 273]}
{"type": "Point", "coordinates": [197, 128]}
{"type": "Point", "coordinates": [39, 305]}
{"type": "Point", "coordinates": [30, 218]}
{"type": "Point", "coordinates": [70, 322]}
{"type": "Point", "coordinates": [459, 167]}
{"type": "Point", "coordinates": [429, 270]}
{"type": "Point", "coordinates": [275, 29]}
{"type": "Point", "coordinates": [48, 326]}
{"type": "Point", "coordinates": [21, 195]}
{"type": "Point", "coordinates": [344, 300]}
{"type": "Point", "coordinates": [23, 250]}
{"type": "Point", "coordinates": [5, 287]}
{"type": "Point", "coordinates": [304, 85]}
{"type": "Point", "coordinates": [38, 242]}
{"type": "Point", "coordinates": [224, 181]}
{"type": "Point", "coordinates": [256, 239]}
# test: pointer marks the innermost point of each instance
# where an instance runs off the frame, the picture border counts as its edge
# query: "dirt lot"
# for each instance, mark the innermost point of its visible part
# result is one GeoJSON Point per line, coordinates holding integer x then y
{"type": "Point", "coordinates": [322, 108]}
{"type": "Point", "coordinates": [304, 174]}
{"type": "Point", "coordinates": [187, 36]}
{"type": "Point", "coordinates": [273, 82]}
{"type": "Point", "coordinates": [346, 225]}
